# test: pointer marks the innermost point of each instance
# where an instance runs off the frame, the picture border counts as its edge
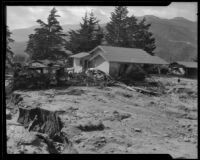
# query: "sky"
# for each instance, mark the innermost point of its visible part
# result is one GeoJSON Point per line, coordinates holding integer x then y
{"type": "Point", "coordinates": [26, 16]}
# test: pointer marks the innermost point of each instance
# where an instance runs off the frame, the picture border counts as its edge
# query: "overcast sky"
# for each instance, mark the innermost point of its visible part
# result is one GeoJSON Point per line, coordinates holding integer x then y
{"type": "Point", "coordinates": [26, 16]}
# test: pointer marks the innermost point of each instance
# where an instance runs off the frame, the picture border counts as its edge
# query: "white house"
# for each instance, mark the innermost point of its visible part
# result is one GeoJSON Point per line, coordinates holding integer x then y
{"type": "Point", "coordinates": [111, 59]}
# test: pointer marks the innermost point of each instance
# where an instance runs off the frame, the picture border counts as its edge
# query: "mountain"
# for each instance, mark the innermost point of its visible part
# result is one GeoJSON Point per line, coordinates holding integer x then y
{"type": "Point", "coordinates": [176, 39]}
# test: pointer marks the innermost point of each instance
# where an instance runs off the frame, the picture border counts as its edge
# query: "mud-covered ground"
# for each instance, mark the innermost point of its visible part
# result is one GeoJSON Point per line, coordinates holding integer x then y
{"type": "Point", "coordinates": [123, 121]}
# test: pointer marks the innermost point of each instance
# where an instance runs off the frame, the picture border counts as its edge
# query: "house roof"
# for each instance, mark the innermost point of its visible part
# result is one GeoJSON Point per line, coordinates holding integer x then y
{"type": "Point", "coordinates": [45, 63]}
{"type": "Point", "coordinates": [188, 64]}
{"type": "Point", "coordinates": [37, 65]}
{"type": "Point", "coordinates": [129, 55]}
{"type": "Point", "coordinates": [80, 55]}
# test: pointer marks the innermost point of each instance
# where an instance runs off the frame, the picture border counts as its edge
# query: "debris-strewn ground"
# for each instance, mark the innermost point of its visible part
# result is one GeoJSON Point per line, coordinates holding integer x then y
{"type": "Point", "coordinates": [116, 120]}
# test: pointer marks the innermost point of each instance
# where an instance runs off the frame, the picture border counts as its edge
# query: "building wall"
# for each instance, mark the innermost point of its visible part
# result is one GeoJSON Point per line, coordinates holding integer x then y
{"type": "Point", "coordinates": [77, 65]}
{"type": "Point", "coordinates": [114, 69]}
{"type": "Point", "coordinates": [100, 63]}
{"type": "Point", "coordinates": [191, 72]}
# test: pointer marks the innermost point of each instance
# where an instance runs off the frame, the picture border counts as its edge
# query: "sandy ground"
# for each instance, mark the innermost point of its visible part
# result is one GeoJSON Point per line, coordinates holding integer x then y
{"type": "Point", "coordinates": [134, 122]}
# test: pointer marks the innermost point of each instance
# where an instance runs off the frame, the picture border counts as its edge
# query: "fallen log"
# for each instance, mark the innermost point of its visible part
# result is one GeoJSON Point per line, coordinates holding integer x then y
{"type": "Point", "coordinates": [141, 90]}
{"type": "Point", "coordinates": [145, 91]}
{"type": "Point", "coordinates": [124, 86]}
{"type": "Point", "coordinates": [15, 124]}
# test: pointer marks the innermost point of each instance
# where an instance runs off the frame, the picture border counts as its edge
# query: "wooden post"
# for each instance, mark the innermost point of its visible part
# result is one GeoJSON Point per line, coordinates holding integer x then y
{"type": "Point", "coordinates": [158, 69]}
{"type": "Point", "coordinates": [42, 71]}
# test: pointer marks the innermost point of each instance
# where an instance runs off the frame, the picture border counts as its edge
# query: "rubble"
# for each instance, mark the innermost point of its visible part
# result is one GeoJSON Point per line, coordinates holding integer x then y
{"type": "Point", "coordinates": [22, 141]}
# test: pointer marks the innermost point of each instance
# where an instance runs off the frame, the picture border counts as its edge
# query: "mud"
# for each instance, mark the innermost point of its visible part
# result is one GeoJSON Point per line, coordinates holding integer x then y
{"type": "Point", "coordinates": [133, 122]}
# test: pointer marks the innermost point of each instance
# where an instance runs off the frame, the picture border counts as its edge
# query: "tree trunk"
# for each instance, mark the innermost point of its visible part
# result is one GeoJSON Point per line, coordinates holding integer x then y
{"type": "Point", "coordinates": [40, 120]}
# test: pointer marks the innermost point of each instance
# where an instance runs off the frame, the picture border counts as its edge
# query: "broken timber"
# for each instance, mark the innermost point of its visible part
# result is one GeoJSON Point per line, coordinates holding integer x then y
{"type": "Point", "coordinates": [141, 90]}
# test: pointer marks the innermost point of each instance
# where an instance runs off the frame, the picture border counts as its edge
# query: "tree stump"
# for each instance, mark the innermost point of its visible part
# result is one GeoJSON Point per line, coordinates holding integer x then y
{"type": "Point", "coordinates": [40, 120]}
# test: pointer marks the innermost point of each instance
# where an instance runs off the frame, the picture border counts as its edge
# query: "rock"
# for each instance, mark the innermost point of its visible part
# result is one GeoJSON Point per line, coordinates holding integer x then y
{"type": "Point", "coordinates": [166, 135]}
{"type": "Point", "coordinates": [8, 114]}
{"type": "Point", "coordinates": [137, 130]}
{"type": "Point", "coordinates": [186, 139]}
{"type": "Point", "coordinates": [22, 141]}
{"type": "Point", "coordinates": [120, 116]}
{"type": "Point", "coordinates": [152, 103]}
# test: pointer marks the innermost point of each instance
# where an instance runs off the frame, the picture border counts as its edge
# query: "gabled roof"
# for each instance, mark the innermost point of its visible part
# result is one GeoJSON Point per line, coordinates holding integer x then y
{"type": "Point", "coordinates": [45, 63]}
{"type": "Point", "coordinates": [128, 55]}
{"type": "Point", "coordinates": [80, 55]}
{"type": "Point", "coordinates": [37, 65]}
{"type": "Point", "coordinates": [188, 64]}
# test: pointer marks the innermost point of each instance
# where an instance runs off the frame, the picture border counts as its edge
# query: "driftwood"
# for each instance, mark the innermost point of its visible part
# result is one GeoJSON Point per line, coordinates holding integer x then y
{"type": "Point", "coordinates": [137, 89]}
{"type": "Point", "coordinates": [145, 91]}
{"type": "Point", "coordinates": [124, 86]}
{"type": "Point", "coordinates": [15, 124]}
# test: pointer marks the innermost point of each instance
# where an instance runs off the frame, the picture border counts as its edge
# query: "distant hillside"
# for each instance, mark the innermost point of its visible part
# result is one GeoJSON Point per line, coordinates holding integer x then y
{"type": "Point", "coordinates": [176, 39]}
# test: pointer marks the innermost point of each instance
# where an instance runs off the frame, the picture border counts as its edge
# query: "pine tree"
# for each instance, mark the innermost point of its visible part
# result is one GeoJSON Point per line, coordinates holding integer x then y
{"type": "Point", "coordinates": [143, 37]}
{"type": "Point", "coordinates": [131, 31]}
{"type": "Point", "coordinates": [116, 28]}
{"type": "Point", "coordinates": [9, 53]}
{"type": "Point", "coordinates": [48, 41]}
{"type": "Point", "coordinates": [87, 37]}
{"type": "Point", "coordinates": [125, 31]}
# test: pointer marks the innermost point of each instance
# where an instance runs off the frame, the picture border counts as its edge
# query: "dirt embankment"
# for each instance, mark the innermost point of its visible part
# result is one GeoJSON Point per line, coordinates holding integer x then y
{"type": "Point", "coordinates": [115, 120]}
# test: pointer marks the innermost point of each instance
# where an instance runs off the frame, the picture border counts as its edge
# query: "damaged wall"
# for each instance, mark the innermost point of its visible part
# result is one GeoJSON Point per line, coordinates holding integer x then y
{"type": "Point", "coordinates": [99, 63]}
{"type": "Point", "coordinates": [131, 70]}
{"type": "Point", "coordinates": [114, 69]}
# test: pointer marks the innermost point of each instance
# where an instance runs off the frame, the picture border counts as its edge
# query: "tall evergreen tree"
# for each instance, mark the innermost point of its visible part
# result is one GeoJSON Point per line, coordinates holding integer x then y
{"type": "Point", "coordinates": [87, 37]}
{"type": "Point", "coordinates": [131, 31]}
{"type": "Point", "coordinates": [116, 28]}
{"type": "Point", "coordinates": [125, 31]}
{"type": "Point", "coordinates": [48, 41]}
{"type": "Point", "coordinates": [9, 53]}
{"type": "Point", "coordinates": [143, 37]}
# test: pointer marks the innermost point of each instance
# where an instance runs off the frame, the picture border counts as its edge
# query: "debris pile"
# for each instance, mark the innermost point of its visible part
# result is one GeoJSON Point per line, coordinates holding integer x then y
{"type": "Point", "coordinates": [109, 120]}
{"type": "Point", "coordinates": [92, 77]}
